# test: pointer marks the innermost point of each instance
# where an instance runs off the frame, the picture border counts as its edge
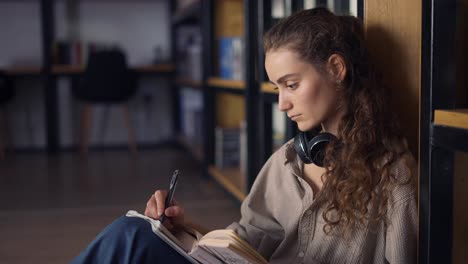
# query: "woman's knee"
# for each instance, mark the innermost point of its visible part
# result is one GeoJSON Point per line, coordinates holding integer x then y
{"type": "Point", "coordinates": [137, 234]}
{"type": "Point", "coordinates": [125, 227]}
{"type": "Point", "coordinates": [126, 240]}
{"type": "Point", "coordinates": [130, 223]}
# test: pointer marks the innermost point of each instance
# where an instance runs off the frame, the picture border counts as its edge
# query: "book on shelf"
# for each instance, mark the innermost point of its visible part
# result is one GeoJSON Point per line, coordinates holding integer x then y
{"type": "Point", "coordinates": [189, 53]}
{"type": "Point", "coordinates": [227, 147]}
{"type": "Point", "coordinates": [281, 9]}
{"type": "Point", "coordinates": [231, 58]}
{"type": "Point", "coordinates": [216, 247]}
{"type": "Point", "coordinates": [243, 147]}
{"type": "Point", "coordinates": [68, 52]}
{"type": "Point", "coordinates": [191, 114]}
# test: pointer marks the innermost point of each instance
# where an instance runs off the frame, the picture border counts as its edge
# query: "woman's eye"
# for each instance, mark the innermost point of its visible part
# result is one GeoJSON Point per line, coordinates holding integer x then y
{"type": "Point", "coordinates": [292, 86]}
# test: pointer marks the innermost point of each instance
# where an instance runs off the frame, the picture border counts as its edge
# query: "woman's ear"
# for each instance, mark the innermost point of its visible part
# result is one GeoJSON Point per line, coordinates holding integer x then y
{"type": "Point", "coordinates": [337, 68]}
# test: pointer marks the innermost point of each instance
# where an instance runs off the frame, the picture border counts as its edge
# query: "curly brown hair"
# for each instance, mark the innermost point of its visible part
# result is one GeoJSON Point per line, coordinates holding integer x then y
{"type": "Point", "coordinates": [358, 173]}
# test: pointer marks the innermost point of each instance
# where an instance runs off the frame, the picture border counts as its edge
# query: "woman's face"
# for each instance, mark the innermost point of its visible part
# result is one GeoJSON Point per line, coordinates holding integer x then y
{"type": "Point", "coordinates": [308, 97]}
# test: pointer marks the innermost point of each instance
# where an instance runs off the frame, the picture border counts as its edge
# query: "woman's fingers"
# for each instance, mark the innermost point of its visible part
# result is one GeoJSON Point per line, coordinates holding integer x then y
{"type": "Point", "coordinates": [155, 207]}
{"type": "Point", "coordinates": [174, 211]}
{"type": "Point", "coordinates": [160, 197]}
{"type": "Point", "coordinates": [176, 215]}
{"type": "Point", "coordinates": [151, 210]}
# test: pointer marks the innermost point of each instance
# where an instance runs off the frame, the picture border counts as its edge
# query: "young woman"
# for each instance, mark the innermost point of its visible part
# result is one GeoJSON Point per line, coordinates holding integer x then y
{"type": "Point", "coordinates": [344, 195]}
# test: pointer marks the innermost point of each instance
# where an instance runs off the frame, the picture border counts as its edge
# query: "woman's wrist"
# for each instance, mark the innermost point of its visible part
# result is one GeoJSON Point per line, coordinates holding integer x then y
{"type": "Point", "coordinates": [191, 225]}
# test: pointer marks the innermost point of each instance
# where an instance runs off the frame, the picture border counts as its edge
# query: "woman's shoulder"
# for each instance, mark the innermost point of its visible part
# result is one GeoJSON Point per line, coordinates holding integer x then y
{"type": "Point", "coordinates": [404, 172]}
{"type": "Point", "coordinates": [285, 153]}
{"type": "Point", "coordinates": [282, 161]}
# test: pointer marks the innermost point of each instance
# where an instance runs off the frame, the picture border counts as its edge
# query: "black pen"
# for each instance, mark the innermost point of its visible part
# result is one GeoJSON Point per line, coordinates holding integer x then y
{"type": "Point", "coordinates": [170, 195]}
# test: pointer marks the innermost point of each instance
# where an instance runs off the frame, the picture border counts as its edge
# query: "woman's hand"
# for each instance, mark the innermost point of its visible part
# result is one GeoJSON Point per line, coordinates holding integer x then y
{"type": "Point", "coordinates": [155, 208]}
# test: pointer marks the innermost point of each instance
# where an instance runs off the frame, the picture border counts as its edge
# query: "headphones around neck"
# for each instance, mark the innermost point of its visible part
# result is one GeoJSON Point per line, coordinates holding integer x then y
{"type": "Point", "coordinates": [311, 147]}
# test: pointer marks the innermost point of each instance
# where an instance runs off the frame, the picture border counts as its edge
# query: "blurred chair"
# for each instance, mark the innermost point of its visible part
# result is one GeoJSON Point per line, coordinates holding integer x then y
{"type": "Point", "coordinates": [107, 80]}
{"type": "Point", "coordinates": [7, 92]}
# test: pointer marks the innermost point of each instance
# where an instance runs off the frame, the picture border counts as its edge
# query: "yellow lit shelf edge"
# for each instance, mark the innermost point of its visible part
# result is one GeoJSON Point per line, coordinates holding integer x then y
{"type": "Point", "coordinates": [453, 118]}
{"type": "Point", "coordinates": [269, 88]}
{"type": "Point", "coordinates": [221, 177]}
{"type": "Point", "coordinates": [229, 84]}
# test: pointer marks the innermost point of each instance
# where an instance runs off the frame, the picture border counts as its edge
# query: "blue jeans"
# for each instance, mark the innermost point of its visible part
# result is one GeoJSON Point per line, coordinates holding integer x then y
{"type": "Point", "coordinates": [129, 240]}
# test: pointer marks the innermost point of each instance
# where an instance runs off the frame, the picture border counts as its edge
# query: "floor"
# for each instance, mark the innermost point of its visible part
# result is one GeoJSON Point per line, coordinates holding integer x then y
{"type": "Point", "coordinates": [52, 207]}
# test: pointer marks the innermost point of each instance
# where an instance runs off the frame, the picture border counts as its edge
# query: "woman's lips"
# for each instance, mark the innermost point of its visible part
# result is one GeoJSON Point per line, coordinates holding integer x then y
{"type": "Point", "coordinates": [293, 117]}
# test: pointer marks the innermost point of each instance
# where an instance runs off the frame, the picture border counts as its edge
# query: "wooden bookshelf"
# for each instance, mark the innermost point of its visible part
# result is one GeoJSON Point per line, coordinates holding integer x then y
{"type": "Point", "coordinates": [78, 69]}
{"type": "Point", "coordinates": [228, 84]}
{"type": "Point", "coordinates": [22, 70]}
{"type": "Point", "coordinates": [454, 118]}
{"type": "Point", "coordinates": [231, 180]}
{"type": "Point", "coordinates": [67, 69]}
{"type": "Point", "coordinates": [269, 88]}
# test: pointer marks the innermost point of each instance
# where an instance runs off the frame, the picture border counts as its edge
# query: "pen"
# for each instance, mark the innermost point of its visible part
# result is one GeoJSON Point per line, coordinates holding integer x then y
{"type": "Point", "coordinates": [170, 195]}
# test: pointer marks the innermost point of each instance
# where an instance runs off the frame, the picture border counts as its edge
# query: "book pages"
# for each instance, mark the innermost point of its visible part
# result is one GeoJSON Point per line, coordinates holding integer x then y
{"type": "Point", "coordinates": [230, 235]}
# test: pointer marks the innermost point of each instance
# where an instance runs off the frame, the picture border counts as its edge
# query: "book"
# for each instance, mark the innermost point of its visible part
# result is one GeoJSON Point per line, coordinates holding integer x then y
{"type": "Point", "coordinates": [227, 147]}
{"type": "Point", "coordinates": [231, 58]}
{"type": "Point", "coordinates": [222, 246]}
{"type": "Point", "coordinates": [243, 147]}
{"type": "Point", "coordinates": [189, 58]}
{"type": "Point", "coordinates": [68, 52]}
{"type": "Point", "coordinates": [191, 115]}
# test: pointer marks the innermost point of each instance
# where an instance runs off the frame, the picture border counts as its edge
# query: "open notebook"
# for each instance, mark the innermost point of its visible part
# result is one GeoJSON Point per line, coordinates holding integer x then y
{"type": "Point", "coordinates": [216, 247]}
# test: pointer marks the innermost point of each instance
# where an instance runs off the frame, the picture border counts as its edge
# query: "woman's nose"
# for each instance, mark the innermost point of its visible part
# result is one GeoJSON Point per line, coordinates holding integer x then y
{"type": "Point", "coordinates": [284, 104]}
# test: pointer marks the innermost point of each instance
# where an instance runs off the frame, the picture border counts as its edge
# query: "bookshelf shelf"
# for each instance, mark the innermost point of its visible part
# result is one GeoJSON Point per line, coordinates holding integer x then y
{"type": "Point", "coordinates": [78, 69]}
{"type": "Point", "coordinates": [188, 82]}
{"type": "Point", "coordinates": [233, 89]}
{"type": "Point", "coordinates": [67, 69]}
{"type": "Point", "coordinates": [230, 179]}
{"type": "Point", "coordinates": [269, 88]}
{"type": "Point", "coordinates": [21, 70]}
{"type": "Point", "coordinates": [457, 118]}
{"type": "Point", "coordinates": [443, 135]}
{"type": "Point", "coordinates": [156, 68]}
{"type": "Point", "coordinates": [226, 84]}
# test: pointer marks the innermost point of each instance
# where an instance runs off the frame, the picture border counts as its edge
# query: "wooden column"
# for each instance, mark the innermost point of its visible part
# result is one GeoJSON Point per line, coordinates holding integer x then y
{"type": "Point", "coordinates": [394, 34]}
{"type": "Point", "coordinates": [394, 38]}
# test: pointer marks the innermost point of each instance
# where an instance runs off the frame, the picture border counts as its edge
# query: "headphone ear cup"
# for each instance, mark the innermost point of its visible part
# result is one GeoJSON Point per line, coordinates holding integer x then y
{"type": "Point", "coordinates": [301, 147]}
{"type": "Point", "coordinates": [317, 147]}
